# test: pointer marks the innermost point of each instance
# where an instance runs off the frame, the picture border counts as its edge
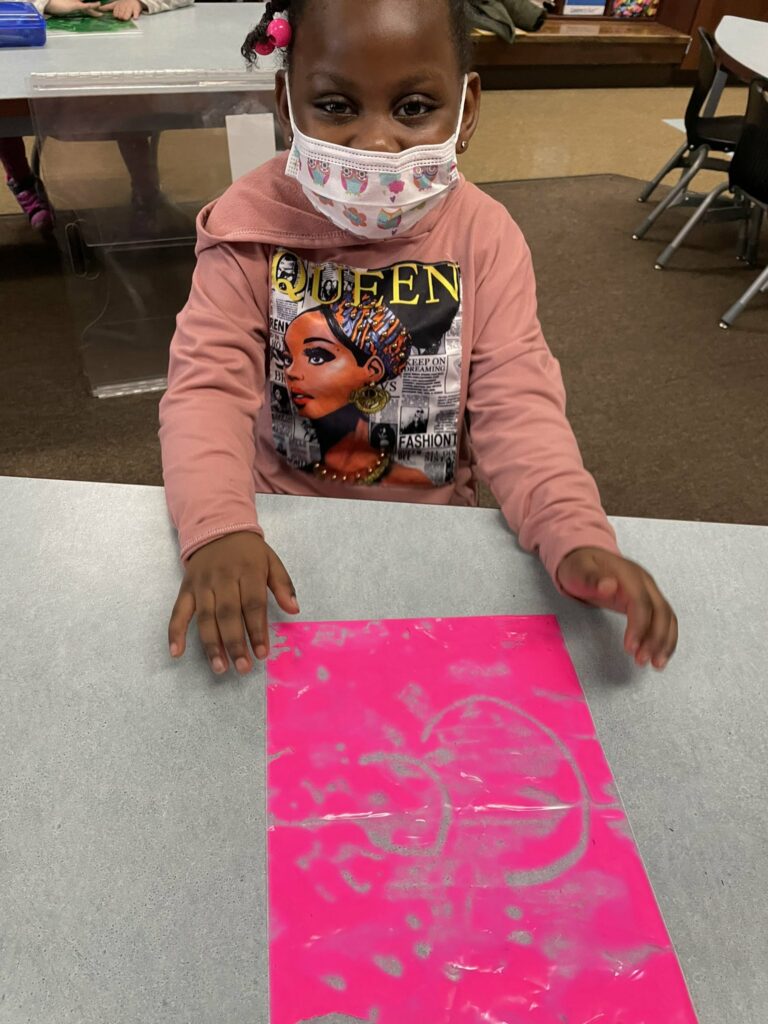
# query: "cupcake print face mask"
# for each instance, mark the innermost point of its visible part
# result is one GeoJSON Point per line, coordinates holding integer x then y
{"type": "Point", "coordinates": [373, 195]}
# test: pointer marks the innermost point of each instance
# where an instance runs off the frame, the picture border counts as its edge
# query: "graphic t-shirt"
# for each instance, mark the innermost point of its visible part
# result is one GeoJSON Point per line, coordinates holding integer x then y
{"type": "Point", "coordinates": [369, 359]}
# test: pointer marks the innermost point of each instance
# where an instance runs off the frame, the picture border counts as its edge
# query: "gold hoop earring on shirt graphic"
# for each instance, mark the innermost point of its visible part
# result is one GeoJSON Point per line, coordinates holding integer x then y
{"type": "Point", "coordinates": [370, 399]}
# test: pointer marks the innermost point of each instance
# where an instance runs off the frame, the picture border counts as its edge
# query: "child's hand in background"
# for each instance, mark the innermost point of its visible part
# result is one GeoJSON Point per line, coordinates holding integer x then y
{"type": "Point", "coordinates": [609, 581]}
{"type": "Point", "coordinates": [63, 8]}
{"type": "Point", "coordinates": [124, 10]}
{"type": "Point", "coordinates": [226, 582]}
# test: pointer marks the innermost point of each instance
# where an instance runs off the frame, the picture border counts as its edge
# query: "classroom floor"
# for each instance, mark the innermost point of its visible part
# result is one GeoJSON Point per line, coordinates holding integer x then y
{"type": "Point", "coordinates": [551, 133]}
{"type": "Point", "coordinates": [670, 411]}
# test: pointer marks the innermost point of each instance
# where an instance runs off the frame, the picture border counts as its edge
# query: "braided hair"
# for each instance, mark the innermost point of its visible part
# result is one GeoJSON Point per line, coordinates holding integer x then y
{"type": "Point", "coordinates": [294, 10]}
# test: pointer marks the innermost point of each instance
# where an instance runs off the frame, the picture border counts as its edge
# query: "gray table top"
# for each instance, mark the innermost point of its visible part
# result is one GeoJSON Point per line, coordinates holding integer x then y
{"type": "Point", "coordinates": [206, 37]}
{"type": "Point", "coordinates": [132, 863]}
{"type": "Point", "coordinates": [745, 40]}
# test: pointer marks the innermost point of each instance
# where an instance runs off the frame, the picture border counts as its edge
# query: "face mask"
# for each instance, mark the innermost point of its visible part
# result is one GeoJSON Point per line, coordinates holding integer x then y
{"type": "Point", "coordinates": [373, 195]}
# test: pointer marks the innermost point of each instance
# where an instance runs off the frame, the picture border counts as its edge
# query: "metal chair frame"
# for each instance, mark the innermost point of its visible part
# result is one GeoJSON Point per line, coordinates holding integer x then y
{"type": "Point", "coordinates": [748, 184]}
{"type": "Point", "coordinates": [695, 154]}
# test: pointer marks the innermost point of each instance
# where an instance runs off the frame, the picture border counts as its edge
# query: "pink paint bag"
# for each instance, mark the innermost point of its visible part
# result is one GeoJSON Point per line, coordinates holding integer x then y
{"type": "Point", "coordinates": [446, 843]}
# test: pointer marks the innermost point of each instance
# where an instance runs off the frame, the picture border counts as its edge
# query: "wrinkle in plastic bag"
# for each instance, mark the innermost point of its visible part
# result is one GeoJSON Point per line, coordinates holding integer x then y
{"type": "Point", "coordinates": [446, 843]}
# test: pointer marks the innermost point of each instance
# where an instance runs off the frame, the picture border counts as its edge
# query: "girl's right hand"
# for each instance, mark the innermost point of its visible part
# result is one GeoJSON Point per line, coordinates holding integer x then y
{"type": "Point", "coordinates": [225, 585]}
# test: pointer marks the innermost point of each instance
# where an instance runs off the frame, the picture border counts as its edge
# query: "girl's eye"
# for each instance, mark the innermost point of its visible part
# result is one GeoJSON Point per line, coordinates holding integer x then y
{"type": "Point", "coordinates": [318, 356]}
{"type": "Point", "coordinates": [334, 107]}
{"type": "Point", "coordinates": [414, 108]}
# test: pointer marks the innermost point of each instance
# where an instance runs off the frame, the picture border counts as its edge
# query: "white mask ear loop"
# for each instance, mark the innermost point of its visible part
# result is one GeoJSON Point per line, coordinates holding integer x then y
{"type": "Point", "coordinates": [294, 129]}
{"type": "Point", "coordinates": [461, 108]}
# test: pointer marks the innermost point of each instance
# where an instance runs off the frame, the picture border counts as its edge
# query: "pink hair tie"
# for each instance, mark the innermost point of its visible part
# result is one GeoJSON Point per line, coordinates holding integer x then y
{"type": "Point", "coordinates": [264, 49]}
{"type": "Point", "coordinates": [279, 32]}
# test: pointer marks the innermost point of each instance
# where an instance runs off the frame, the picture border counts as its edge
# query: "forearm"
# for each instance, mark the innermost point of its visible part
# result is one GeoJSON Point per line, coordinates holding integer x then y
{"type": "Point", "coordinates": [208, 475]}
{"type": "Point", "coordinates": [526, 450]}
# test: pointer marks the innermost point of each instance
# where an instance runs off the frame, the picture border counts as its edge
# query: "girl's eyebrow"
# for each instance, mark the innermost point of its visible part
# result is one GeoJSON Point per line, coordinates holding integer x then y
{"type": "Point", "coordinates": [335, 78]}
{"type": "Point", "coordinates": [409, 84]}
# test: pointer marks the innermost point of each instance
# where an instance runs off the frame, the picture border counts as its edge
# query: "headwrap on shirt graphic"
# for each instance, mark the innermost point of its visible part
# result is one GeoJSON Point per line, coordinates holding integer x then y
{"type": "Point", "coordinates": [370, 330]}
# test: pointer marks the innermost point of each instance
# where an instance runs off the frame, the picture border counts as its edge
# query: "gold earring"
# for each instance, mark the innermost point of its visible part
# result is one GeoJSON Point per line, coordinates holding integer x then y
{"type": "Point", "coordinates": [464, 145]}
{"type": "Point", "coordinates": [370, 399]}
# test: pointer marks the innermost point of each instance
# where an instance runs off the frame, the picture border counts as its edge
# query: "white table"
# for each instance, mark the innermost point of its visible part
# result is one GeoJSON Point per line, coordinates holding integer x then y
{"type": "Point", "coordinates": [192, 43]}
{"type": "Point", "coordinates": [181, 70]}
{"type": "Point", "coordinates": [744, 41]}
{"type": "Point", "coordinates": [743, 50]}
{"type": "Point", "coordinates": [132, 843]}
{"type": "Point", "coordinates": [208, 36]}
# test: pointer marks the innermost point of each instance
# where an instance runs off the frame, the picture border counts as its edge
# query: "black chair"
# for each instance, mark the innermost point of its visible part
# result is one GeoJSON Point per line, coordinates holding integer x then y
{"type": "Point", "coordinates": [748, 182]}
{"type": "Point", "coordinates": [704, 136]}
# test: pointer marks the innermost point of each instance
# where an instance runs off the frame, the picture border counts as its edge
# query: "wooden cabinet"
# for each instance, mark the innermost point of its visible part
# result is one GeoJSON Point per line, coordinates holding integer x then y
{"type": "Point", "coordinates": [689, 15]}
{"type": "Point", "coordinates": [599, 50]}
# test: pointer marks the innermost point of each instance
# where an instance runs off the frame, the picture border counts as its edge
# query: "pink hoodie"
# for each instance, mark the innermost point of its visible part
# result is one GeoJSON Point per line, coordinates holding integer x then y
{"type": "Point", "coordinates": [284, 307]}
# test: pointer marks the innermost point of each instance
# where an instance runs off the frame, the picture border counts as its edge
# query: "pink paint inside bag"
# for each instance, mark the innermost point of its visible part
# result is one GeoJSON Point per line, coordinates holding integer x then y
{"type": "Point", "coordinates": [446, 844]}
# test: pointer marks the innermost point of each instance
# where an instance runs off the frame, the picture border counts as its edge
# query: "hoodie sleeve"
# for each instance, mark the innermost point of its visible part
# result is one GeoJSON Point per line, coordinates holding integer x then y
{"type": "Point", "coordinates": [216, 381]}
{"type": "Point", "coordinates": [159, 6]}
{"type": "Point", "coordinates": [521, 440]}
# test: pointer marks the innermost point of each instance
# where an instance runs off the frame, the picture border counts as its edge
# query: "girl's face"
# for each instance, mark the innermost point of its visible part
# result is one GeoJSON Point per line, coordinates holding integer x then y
{"type": "Point", "coordinates": [322, 373]}
{"type": "Point", "coordinates": [376, 75]}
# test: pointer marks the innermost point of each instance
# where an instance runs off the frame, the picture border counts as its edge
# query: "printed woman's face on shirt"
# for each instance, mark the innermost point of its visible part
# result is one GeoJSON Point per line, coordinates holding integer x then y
{"type": "Point", "coordinates": [288, 269]}
{"type": "Point", "coordinates": [321, 372]}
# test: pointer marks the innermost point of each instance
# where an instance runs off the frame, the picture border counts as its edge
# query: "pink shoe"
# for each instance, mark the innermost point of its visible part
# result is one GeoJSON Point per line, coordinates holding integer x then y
{"type": "Point", "coordinates": [33, 204]}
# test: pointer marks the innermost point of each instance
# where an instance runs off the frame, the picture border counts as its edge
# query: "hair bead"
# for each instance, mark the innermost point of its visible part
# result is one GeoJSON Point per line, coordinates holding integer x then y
{"type": "Point", "coordinates": [279, 32]}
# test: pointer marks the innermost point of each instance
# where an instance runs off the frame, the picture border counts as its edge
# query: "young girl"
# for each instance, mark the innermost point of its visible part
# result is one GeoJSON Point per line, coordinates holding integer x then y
{"type": "Point", "coordinates": [362, 323]}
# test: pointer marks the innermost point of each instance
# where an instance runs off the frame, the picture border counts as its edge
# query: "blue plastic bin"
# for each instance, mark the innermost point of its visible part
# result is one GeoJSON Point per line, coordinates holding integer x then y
{"type": "Point", "coordinates": [21, 24]}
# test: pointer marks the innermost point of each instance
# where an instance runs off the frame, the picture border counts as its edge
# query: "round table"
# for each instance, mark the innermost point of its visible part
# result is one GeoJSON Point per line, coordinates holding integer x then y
{"type": "Point", "coordinates": [743, 46]}
{"type": "Point", "coordinates": [742, 49]}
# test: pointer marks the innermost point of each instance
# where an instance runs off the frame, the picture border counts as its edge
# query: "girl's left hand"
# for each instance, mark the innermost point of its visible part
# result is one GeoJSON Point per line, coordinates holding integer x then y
{"type": "Point", "coordinates": [609, 581]}
{"type": "Point", "coordinates": [124, 10]}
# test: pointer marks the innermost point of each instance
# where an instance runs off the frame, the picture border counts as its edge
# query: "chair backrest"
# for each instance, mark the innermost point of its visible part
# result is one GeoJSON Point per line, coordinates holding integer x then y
{"type": "Point", "coordinates": [749, 166]}
{"type": "Point", "coordinates": [705, 76]}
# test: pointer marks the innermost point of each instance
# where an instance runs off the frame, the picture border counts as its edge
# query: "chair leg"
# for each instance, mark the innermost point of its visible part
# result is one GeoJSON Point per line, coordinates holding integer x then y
{"type": "Point", "coordinates": [701, 155]}
{"type": "Point", "coordinates": [674, 161]}
{"type": "Point", "coordinates": [753, 235]}
{"type": "Point", "coordinates": [743, 241]}
{"type": "Point", "coordinates": [690, 224]}
{"type": "Point", "coordinates": [37, 155]}
{"type": "Point", "coordinates": [738, 308]}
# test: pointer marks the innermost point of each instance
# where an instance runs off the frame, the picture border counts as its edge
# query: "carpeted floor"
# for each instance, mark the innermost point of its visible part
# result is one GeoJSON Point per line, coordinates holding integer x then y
{"type": "Point", "coordinates": [670, 411]}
